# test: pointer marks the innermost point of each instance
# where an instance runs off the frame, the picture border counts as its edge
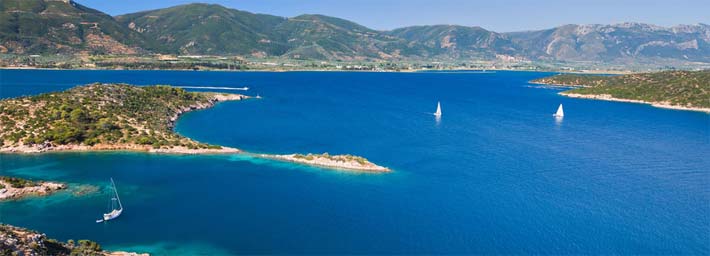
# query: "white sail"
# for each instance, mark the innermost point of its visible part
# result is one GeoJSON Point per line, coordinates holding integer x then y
{"type": "Point", "coordinates": [115, 211]}
{"type": "Point", "coordinates": [438, 109]}
{"type": "Point", "coordinates": [560, 112]}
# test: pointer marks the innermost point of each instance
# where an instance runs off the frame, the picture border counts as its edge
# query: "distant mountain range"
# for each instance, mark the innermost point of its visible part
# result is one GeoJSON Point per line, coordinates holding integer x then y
{"type": "Point", "coordinates": [63, 26]}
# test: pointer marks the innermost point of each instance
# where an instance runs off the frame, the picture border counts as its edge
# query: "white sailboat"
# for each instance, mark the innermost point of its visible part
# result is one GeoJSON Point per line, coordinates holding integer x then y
{"type": "Point", "coordinates": [115, 205]}
{"type": "Point", "coordinates": [438, 110]}
{"type": "Point", "coordinates": [560, 112]}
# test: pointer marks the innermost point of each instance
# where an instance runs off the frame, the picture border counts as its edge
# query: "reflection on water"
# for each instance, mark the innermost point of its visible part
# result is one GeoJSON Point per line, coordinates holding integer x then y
{"type": "Point", "coordinates": [558, 120]}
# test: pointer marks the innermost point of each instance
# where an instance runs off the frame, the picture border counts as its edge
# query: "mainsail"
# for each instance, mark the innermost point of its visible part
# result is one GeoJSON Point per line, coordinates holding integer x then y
{"type": "Point", "coordinates": [560, 112]}
{"type": "Point", "coordinates": [438, 109]}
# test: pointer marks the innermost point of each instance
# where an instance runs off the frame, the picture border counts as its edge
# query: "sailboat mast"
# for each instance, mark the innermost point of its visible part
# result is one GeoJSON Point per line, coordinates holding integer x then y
{"type": "Point", "coordinates": [116, 192]}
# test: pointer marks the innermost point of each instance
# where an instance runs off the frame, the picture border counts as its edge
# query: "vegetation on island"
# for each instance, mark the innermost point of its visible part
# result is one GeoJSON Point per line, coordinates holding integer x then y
{"type": "Point", "coordinates": [339, 158]}
{"type": "Point", "coordinates": [17, 182]}
{"type": "Point", "coordinates": [106, 114]}
{"type": "Point", "coordinates": [679, 88]}
{"type": "Point", "coordinates": [20, 241]}
{"type": "Point", "coordinates": [567, 79]}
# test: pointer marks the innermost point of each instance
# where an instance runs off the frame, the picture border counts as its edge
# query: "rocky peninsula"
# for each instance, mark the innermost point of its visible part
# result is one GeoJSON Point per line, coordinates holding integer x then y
{"type": "Point", "coordinates": [101, 117]}
{"type": "Point", "coordinates": [16, 188]}
{"type": "Point", "coordinates": [121, 117]}
{"type": "Point", "coordinates": [21, 241]}
{"type": "Point", "coordinates": [680, 90]}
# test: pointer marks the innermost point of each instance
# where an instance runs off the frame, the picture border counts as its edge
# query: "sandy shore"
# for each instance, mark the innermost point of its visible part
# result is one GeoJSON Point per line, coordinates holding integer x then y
{"type": "Point", "coordinates": [337, 162]}
{"type": "Point", "coordinates": [42, 189]}
{"type": "Point", "coordinates": [608, 97]}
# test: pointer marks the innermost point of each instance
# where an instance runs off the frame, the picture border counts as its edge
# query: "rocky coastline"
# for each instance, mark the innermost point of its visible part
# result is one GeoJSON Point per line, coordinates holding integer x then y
{"type": "Point", "coordinates": [43, 188]}
{"type": "Point", "coordinates": [345, 162]}
{"type": "Point", "coordinates": [608, 97]}
{"type": "Point", "coordinates": [213, 99]}
{"type": "Point", "coordinates": [21, 241]}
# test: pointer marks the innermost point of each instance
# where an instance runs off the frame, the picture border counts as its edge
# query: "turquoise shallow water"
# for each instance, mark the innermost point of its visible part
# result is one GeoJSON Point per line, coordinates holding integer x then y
{"type": "Point", "coordinates": [496, 175]}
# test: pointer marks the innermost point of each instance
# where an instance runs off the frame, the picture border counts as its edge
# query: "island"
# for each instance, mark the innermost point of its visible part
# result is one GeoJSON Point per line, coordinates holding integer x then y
{"type": "Point", "coordinates": [346, 162]}
{"type": "Point", "coordinates": [682, 90]}
{"type": "Point", "coordinates": [122, 117]}
{"type": "Point", "coordinates": [104, 117]}
{"type": "Point", "coordinates": [21, 241]}
{"type": "Point", "coordinates": [16, 188]}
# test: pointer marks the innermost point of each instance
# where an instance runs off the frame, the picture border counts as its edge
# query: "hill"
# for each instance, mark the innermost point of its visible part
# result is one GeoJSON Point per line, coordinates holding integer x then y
{"type": "Point", "coordinates": [103, 117]}
{"type": "Point", "coordinates": [214, 29]}
{"type": "Point", "coordinates": [207, 29]}
{"type": "Point", "coordinates": [323, 37]}
{"type": "Point", "coordinates": [457, 42]}
{"type": "Point", "coordinates": [674, 89]}
{"type": "Point", "coordinates": [57, 26]}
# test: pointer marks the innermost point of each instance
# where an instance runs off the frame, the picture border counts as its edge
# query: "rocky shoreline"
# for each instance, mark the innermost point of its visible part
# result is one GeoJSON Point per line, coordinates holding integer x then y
{"type": "Point", "coordinates": [213, 100]}
{"type": "Point", "coordinates": [346, 162]}
{"type": "Point", "coordinates": [189, 146]}
{"type": "Point", "coordinates": [34, 149]}
{"type": "Point", "coordinates": [21, 241]}
{"type": "Point", "coordinates": [552, 84]}
{"type": "Point", "coordinates": [608, 97]}
{"type": "Point", "coordinates": [8, 192]}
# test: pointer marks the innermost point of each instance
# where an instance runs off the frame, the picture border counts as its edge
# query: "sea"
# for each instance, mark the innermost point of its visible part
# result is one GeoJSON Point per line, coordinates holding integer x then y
{"type": "Point", "coordinates": [496, 174]}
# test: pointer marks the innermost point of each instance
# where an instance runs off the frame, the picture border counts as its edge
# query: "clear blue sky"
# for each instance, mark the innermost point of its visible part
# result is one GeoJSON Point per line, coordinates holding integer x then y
{"type": "Point", "coordinates": [497, 15]}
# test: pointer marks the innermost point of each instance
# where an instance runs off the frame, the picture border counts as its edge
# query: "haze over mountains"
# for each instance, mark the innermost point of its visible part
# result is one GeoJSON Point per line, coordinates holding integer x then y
{"type": "Point", "coordinates": [62, 26]}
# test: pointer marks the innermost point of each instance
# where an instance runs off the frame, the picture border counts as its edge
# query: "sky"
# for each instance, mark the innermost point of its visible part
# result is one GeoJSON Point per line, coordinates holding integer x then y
{"type": "Point", "coordinates": [496, 15]}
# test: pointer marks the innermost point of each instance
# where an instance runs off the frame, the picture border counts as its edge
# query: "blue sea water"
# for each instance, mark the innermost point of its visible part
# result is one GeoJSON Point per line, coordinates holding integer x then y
{"type": "Point", "coordinates": [496, 175]}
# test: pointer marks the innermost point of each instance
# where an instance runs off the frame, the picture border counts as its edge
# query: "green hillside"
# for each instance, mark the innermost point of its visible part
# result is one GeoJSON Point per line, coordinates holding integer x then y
{"type": "Point", "coordinates": [680, 88]}
{"type": "Point", "coordinates": [207, 29]}
{"type": "Point", "coordinates": [323, 37]}
{"type": "Point", "coordinates": [457, 41]}
{"type": "Point", "coordinates": [63, 26]}
{"type": "Point", "coordinates": [112, 114]}
{"type": "Point", "coordinates": [43, 27]}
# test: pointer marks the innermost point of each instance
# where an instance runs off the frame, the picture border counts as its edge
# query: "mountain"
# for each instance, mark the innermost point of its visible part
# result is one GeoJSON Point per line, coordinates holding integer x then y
{"type": "Point", "coordinates": [323, 37]}
{"type": "Point", "coordinates": [619, 42]}
{"type": "Point", "coordinates": [214, 29]}
{"type": "Point", "coordinates": [207, 29]}
{"type": "Point", "coordinates": [62, 26]}
{"type": "Point", "coordinates": [457, 42]}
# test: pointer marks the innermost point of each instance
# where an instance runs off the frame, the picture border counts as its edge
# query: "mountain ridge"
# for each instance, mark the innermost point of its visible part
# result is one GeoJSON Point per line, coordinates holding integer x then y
{"type": "Point", "coordinates": [212, 29]}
